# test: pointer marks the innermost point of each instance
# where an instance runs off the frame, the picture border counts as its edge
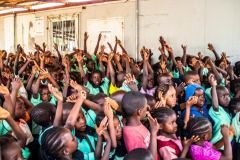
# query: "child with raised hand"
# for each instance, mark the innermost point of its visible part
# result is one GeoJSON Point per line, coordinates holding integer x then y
{"type": "Point", "coordinates": [147, 81]}
{"type": "Point", "coordinates": [204, 150]}
{"type": "Point", "coordinates": [167, 95]}
{"type": "Point", "coordinates": [219, 111]}
{"type": "Point", "coordinates": [11, 147]}
{"type": "Point", "coordinates": [200, 108]}
{"type": "Point", "coordinates": [58, 142]}
{"type": "Point", "coordinates": [96, 84]}
{"type": "Point", "coordinates": [135, 134]}
{"type": "Point", "coordinates": [169, 146]}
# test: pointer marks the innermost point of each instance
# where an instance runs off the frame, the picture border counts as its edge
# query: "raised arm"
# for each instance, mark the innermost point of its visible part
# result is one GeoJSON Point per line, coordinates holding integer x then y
{"type": "Point", "coordinates": [211, 48]}
{"type": "Point", "coordinates": [19, 50]}
{"type": "Point", "coordinates": [120, 45]}
{"type": "Point", "coordinates": [9, 106]}
{"type": "Point", "coordinates": [145, 71]}
{"type": "Point", "coordinates": [85, 41]}
{"type": "Point", "coordinates": [116, 59]}
{"type": "Point", "coordinates": [215, 103]}
{"type": "Point", "coordinates": [184, 55]}
{"type": "Point", "coordinates": [97, 46]}
{"type": "Point", "coordinates": [80, 65]}
{"type": "Point", "coordinates": [16, 84]}
{"type": "Point", "coordinates": [28, 104]}
{"type": "Point", "coordinates": [72, 118]}
{"type": "Point", "coordinates": [59, 55]}
{"type": "Point", "coordinates": [24, 66]}
{"type": "Point", "coordinates": [110, 67]}
{"type": "Point", "coordinates": [216, 74]}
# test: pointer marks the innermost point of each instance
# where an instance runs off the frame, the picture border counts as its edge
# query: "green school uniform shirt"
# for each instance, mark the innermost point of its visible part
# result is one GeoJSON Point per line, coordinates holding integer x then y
{"type": "Point", "coordinates": [175, 74]}
{"type": "Point", "coordinates": [204, 71]}
{"type": "Point", "coordinates": [25, 153]}
{"type": "Point", "coordinates": [90, 116]}
{"type": "Point", "coordinates": [38, 100]}
{"type": "Point", "coordinates": [236, 124]}
{"type": "Point", "coordinates": [4, 127]}
{"type": "Point", "coordinates": [219, 118]}
{"type": "Point", "coordinates": [104, 86]}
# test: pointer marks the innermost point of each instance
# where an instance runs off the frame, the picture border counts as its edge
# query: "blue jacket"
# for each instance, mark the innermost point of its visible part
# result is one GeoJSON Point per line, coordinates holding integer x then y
{"type": "Point", "coordinates": [190, 92]}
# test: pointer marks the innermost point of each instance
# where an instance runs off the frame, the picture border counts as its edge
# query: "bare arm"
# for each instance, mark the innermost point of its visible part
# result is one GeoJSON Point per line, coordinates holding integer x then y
{"type": "Point", "coordinates": [97, 46]}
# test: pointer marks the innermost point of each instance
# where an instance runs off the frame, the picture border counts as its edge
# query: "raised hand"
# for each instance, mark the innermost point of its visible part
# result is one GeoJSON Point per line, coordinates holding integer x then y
{"type": "Point", "coordinates": [102, 127]}
{"type": "Point", "coordinates": [75, 85]}
{"type": "Point", "coordinates": [41, 56]}
{"type": "Point", "coordinates": [108, 110]}
{"type": "Point", "coordinates": [161, 50]}
{"type": "Point", "coordinates": [17, 83]}
{"type": "Point", "coordinates": [119, 42]}
{"type": "Point", "coordinates": [4, 114]}
{"type": "Point", "coordinates": [72, 98]}
{"type": "Point", "coordinates": [82, 95]}
{"type": "Point", "coordinates": [116, 57]}
{"type": "Point", "coordinates": [99, 36]}
{"type": "Point", "coordinates": [169, 49]}
{"type": "Point", "coordinates": [184, 47]}
{"type": "Point", "coordinates": [44, 45]}
{"type": "Point", "coordinates": [158, 105]}
{"type": "Point", "coordinates": [110, 56]}
{"type": "Point", "coordinates": [85, 36]}
{"type": "Point", "coordinates": [153, 123]}
{"type": "Point", "coordinates": [55, 46]}
{"type": "Point", "coordinates": [210, 47]}
{"type": "Point", "coordinates": [102, 48]}
{"type": "Point", "coordinates": [231, 131]}
{"type": "Point", "coordinates": [79, 56]}
{"type": "Point", "coordinates": [44, 73]}
{"type": "Point", "coordinates": [180, 88]}
{"type": "Point", "coordinates": [112, 103]}
{"type": "Point", "coordinates": [131, 82]}
{"type": "Point", "coordinates": [55, 92]}
{"type": "Point", "coordinates": [161, 40]}
{"type": "Point", "coordinates": [162, 99]}
{"type": "Point", "coordinates": [211, 80]}
{"type": "Point", "coordinates": [4, 90]}
{"type": "Point", "coordinates": [187, 142]}
{"type": "Point", "coordinates": [163, 65]}
{"type": "Point", "coordinates": [191, 101]}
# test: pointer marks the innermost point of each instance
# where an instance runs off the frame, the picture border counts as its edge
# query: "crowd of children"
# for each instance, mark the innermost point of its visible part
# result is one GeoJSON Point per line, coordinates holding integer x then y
{"type": "Point", "coordinates": [108, 106]}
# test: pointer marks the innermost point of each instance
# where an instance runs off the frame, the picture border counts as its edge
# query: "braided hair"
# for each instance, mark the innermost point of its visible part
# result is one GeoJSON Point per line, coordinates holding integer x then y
{"type": "Point", "coordinates": [162, 88]}
{"type": "Point", "coordinates": [198, 126]}
{"type": "Point", "coordinates": [162, 114]}
{"type": "Point", "coordinates": [51, 144]}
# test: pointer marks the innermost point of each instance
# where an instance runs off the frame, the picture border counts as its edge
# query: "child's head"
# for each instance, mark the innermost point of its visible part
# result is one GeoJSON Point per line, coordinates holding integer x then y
{"type": "Point", "coordinates": [164, 78]}
{"type": "Point", "coordinates": [234, 105]}
{"type": "Point", "coordinates": [235, 86]}
{"type": "Point", "coordinates": [120, 76]}
{"type": "Point", "coordinates": [20, 110]}
{"type": "Point", "coordinates": [151, 101]}
{"type": "Point", "coordinates": [223, 96]}
{"type": "Point", "coordinates": [90, 64]}
{"type": "Point", "coordinates": [55, 75]}
{"type": "Point", "coordinates": [134, 103]}
{"type": "Point", "coordinates": [75, 76]}
{"type": "Point", "coordinates": [201, 127]}
{"type": "Point", "coordinates": [71, 91]}
{"type": "Point", "coordinates": [45, 94]}
{"type": "Point", "coordinates": [43, 114]}
{"type": "Point", "coordinates": [116, 123]}
{"type": "Point", "coordinates": [166, 118]}
{"type": "Point", "coordinates": [57, 142]}
{"type": "Point", "coordinates": [150, 81]}
{"type": "Point", "coordinates": [96, 77]}
{"type": "Point", "coordinates": [192, 77]}
{"type": "Point", "coordinates": [198, 91]}
{"type": "Point", "coordinates": [99, 98]}
{"type": "Point", "coordinates": [139, 154]}
{"type": "Point", "coordinates": [168, 92]}
{"type": "Point", "coordinates": [10, 149]}
{"type": "Point", "coordinates": [117, 96]}
{"type": "Point", "coordinates": [80, 124]}
{"type": "Point", "coordinates": [191, 61]}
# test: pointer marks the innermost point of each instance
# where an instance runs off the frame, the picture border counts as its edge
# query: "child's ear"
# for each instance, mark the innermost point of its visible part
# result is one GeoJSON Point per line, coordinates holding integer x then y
{"type": "Point", "coordinates": [51, 118]}
{"type": "Point", "coordinates": [65, 152]}
{"type": "Point", "coordinates": [160, 126]}
{"type": "Point", "coordinates": [205, 136]}
{"type": "Point", "coordinates": [139, 112]}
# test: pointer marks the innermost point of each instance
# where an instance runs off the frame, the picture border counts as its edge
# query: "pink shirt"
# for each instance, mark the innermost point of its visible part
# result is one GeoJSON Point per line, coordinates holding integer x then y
{"type": "Point", "coordinates": [136, 137]}
{"type": "Point", "coordinates": [169, 148]}
{"type": "Point", "coordinates": [150, 92]}
{"type": "Point", "coordinates": [204, 153]}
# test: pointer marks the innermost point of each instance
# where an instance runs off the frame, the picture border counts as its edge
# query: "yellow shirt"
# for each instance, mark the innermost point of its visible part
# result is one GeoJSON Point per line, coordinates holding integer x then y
{"type": "Point", "coordinates": [113, 89]}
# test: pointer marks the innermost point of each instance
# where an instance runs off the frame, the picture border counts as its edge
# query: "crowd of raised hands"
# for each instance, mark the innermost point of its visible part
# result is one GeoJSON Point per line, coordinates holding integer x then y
{"type": "Point", "coordinates": [110, 106]}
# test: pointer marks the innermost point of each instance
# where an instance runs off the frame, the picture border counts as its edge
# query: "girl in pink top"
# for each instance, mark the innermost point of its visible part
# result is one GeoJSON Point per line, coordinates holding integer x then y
{"type": "Point", "coordinates": [204, 150]}
{"type": "Point", "coordinates": [168, 145]}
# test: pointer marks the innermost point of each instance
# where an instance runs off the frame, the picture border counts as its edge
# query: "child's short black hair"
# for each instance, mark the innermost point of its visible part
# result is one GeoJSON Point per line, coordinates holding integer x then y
{"type": "Point", "coordinates": [218, 62]}
{"type": "Point", "coordinates": [162, 114]}
{"type": "Point", "coordinates": [198, 126]}
{"type": "Point", "coordinates": [41, 87]}
{"type": "Point", "coordinates": [98, 97]}
{"type": "Point", "coordinates": [132, 101]}
{"type": "Point", "coordinates": [42, 112]}
{"type": "Point", "coordinates": [188, 75]}
{"type": "Point", "coordinates": [233, 105]}
{"type": "Point", "coordinates": [139, 154]}
{"type": "Point", "coordinates": [162, 75]}
{"type": "Point", "coordinates": [162, 88]}
{"type": "Point", "coordinates": [5, 141]}
{"type": "Point", "coordinates": [234, 85]}
{"type": "Point", "coordinates": [96, 71]}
